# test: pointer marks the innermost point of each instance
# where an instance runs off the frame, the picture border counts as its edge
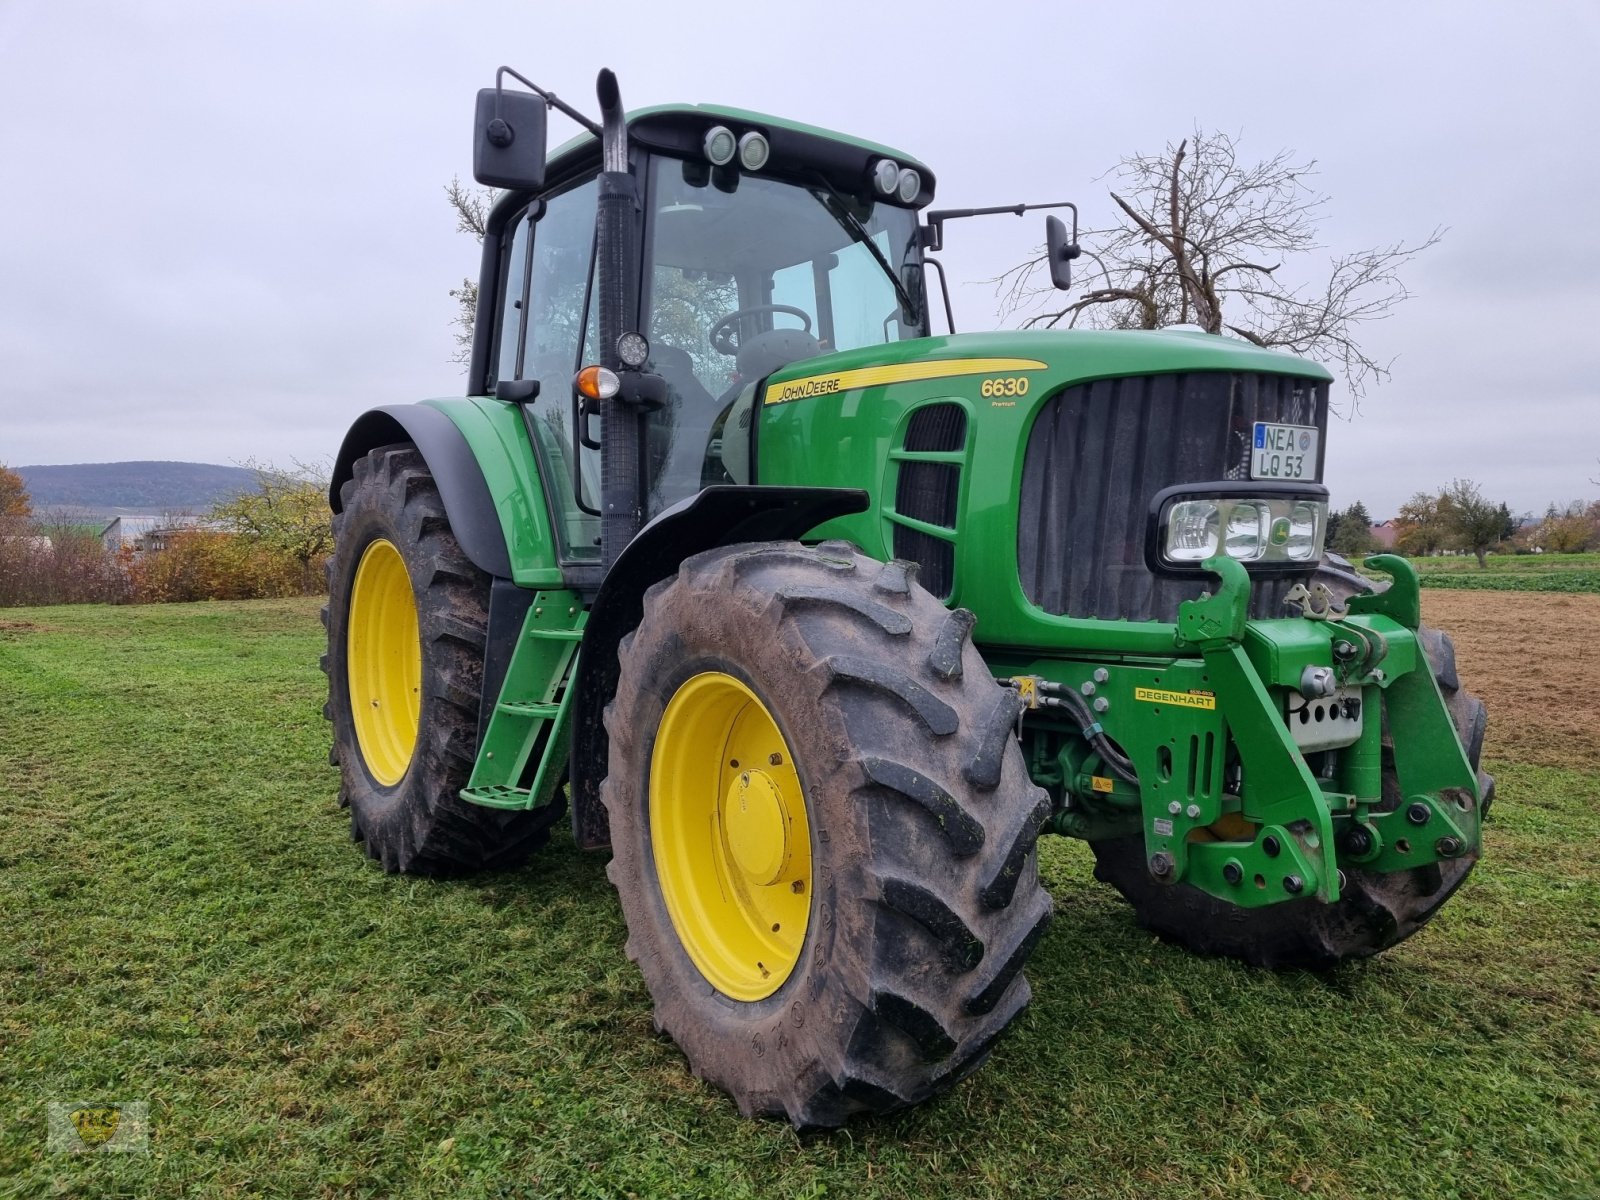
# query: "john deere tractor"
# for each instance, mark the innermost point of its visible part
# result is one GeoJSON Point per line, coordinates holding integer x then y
{"type": "Point", "coordinates": [818, 619]}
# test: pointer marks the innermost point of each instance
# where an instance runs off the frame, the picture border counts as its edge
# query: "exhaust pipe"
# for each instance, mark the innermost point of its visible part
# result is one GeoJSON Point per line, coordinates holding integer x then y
{"type": "Point", "coordinates": [621, 425]}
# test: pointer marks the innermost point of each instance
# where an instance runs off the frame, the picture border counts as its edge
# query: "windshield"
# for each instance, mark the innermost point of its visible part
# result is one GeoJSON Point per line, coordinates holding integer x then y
{"type": "Point", "coordinates": [745, 274]}
{"type": "Point", "coordinates": [717, 252]}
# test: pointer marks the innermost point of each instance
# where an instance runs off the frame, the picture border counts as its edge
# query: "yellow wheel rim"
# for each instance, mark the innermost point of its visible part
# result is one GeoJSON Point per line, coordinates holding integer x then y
{"type": "Point", "coordinates": [384, 656]}
{"type": "Point", "coordinates": [730, 835]}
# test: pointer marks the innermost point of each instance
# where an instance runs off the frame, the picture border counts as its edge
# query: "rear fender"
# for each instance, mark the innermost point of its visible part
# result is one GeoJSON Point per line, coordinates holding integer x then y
{"type": "Point", "coordinates": [482, 462]}
{"type": "Point", "coordinates": [715, 516]}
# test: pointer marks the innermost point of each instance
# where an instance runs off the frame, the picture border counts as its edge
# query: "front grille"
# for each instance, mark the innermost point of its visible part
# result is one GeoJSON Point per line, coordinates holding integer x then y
{"type": "Point", "coordinates": [937, 427]}
{"type": "Point", "coordinates": [930, 492]}
{"type": "Point", "coordinates": [1097, 454]}
{"type": "Point", "coordinates": [936, 556]}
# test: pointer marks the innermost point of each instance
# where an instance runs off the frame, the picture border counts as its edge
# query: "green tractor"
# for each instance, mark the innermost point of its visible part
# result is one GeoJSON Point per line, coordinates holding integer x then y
{"type": "Point", "coordinates": [818, 619]}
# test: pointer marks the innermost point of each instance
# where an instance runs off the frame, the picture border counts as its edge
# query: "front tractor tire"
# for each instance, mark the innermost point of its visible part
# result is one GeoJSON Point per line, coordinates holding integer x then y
{"type": "Point", "coordinates": [407, 617]}
{"type": "Point", "coordinates": [1374, 911]}
{"type": "Point", "coordinates": [823, 831]}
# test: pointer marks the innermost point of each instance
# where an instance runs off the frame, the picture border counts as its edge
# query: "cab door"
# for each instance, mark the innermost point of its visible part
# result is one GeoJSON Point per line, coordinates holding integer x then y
{"type": "Point", "coordinates": [548, 328]}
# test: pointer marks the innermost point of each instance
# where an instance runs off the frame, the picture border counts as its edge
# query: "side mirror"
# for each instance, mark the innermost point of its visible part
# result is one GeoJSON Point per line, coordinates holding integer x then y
{"type": "Point", "coordinates": [508, 140]}
{"type": "Point", "coordinates": [1061, 250]}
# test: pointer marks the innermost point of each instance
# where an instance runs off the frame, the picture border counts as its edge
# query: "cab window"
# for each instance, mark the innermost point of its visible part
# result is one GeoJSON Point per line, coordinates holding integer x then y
{"type": "Point", "coordinates": [547, 316]}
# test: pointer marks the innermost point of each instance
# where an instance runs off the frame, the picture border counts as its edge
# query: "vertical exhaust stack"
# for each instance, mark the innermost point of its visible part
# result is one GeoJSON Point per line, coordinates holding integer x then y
{"type": "Point", "coordinates": [621, 464]}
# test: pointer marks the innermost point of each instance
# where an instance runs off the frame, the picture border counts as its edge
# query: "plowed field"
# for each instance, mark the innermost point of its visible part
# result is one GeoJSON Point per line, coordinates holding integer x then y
{"type": "Point", "coordinates": [1535, 660]}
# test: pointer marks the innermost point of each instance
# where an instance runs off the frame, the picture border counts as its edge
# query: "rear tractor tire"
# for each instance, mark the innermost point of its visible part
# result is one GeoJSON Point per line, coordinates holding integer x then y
{"type": "Point", "coordinates": [823, 831]}
{"type": "Point", "coordinates": [407, 616]}
{"type": "Point", "coordinates": [1374, 911]}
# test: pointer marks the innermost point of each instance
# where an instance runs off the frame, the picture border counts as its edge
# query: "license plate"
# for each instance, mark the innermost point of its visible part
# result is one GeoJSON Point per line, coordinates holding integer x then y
{"type": "Point", "coordinates": [1283, 452]}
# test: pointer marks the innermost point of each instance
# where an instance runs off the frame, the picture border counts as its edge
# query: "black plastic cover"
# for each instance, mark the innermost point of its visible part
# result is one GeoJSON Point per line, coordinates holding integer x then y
{"type": "Point", "coordinates": [508, 139]}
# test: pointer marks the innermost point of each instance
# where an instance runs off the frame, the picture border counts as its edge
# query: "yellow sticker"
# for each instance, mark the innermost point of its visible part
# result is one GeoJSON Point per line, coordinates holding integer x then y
{"type": "Point", "coordinates": [1181, 699]}
{"type": "Point", "coordinates": [1100, 783]}
{"type": "Point", "coordinates": [1015, 385]}
{"type": "Point", "coordinates": [1028, 689]}
{"type": "Point", "coordinates": [865, 377]}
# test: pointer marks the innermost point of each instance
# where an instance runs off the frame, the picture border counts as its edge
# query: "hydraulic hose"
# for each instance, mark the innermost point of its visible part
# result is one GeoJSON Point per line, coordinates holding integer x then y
{"type": "Point", "coordinates": [1054, 695]}
{"type": "Point", "coordinates": [1118, 763]}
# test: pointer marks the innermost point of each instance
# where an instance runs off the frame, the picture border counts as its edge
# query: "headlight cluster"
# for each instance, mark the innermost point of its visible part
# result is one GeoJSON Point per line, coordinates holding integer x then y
{"type": "Point", "coordinates": [1278, 530]}
{"type": "Point", "coordinates": [720, 146]}
{"type": "Point", "coordinates": [891, 179]}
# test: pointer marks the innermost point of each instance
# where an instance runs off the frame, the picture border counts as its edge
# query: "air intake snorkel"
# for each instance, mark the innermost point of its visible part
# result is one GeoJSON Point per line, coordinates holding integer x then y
{"type": "Point", "coordinates": [622, 472]}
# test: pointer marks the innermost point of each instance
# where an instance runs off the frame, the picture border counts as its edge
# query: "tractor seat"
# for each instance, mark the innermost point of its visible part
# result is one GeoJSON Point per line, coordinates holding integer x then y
{"type": "Point", "coordinates": [679, 432]}
{"type": "Point", "coordinates": [766, 352]}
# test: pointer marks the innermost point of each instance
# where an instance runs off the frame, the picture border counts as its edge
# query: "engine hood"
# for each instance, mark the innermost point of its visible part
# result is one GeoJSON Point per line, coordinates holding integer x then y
{"type": "Point", "coordinates": [1064, 355]}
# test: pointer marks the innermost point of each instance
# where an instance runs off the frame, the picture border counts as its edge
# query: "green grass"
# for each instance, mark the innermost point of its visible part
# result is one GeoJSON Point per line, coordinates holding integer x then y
{"type": "Point", "coordinates": [1508, 581]}
{"type": "Point", "coordinates": [1511, 572]}
{"type": "Point", "coordinates": [184, 921]}
{"type": "Point", "coordinates": [1516, 564]}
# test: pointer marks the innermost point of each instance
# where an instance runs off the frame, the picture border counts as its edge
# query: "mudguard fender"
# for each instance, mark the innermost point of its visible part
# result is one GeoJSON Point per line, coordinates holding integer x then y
{"type": "Point", "coordinates": [456, 472]}
{"type": "Point", "coordinates": [715, 516]}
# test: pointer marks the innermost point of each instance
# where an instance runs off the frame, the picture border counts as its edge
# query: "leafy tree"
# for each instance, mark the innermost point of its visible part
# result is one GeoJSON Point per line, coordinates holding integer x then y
{"type": "Point", "coordinates": [1422, 526]}
{"type": "Point", "coordinates": [287, 512]}
{"type": "Point", "coordinates": [14, 502]}
{"type": "Point", "coordinates": [1570, 529]}
{"type": "Point", "coordinates": [1476, 524]}
{"type": "Point", "coordinates": [1509, 522]}
{"type": "Point", "coordinates": [1199, 238]}
{"type": "Point", "coordinates": [1351, 534]}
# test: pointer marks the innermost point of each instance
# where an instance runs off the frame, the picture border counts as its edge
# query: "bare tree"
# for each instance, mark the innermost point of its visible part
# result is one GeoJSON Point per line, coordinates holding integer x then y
{"type": "Point", "coordinates": [1199, 239]}
{"type": "Point", "coordinates": [471, 206]}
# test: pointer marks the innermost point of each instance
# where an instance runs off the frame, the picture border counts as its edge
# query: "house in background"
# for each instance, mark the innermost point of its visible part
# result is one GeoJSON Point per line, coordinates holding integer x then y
{"type": "Point", "coordinates": [127, 531]}
{"type": "Point", "coordinates": [161, 536]}
{"type": "Point", "coordinates": [141, 534]}
{"type": "Point", "coordinates": [1386, 534]}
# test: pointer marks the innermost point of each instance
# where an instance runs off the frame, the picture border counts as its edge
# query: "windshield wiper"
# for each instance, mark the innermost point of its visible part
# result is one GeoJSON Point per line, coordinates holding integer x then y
{"type": "Point", "coordinates": [839, 210]}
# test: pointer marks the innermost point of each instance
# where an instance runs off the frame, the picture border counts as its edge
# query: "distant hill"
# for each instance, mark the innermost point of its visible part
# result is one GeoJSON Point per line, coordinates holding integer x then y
{"type": "Point", "coordinates": [128, 488]}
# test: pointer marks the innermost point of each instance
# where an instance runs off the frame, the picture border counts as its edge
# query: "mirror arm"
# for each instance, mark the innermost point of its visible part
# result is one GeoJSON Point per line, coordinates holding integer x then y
{"type": "Point", "coordinates": [932, 234]}
{"type": "Point", "coordinates": [549, 98]}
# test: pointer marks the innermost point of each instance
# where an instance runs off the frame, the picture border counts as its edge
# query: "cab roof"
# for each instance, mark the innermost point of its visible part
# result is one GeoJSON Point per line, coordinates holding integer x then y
{"type": "Point", "coordinates": [680, 129]}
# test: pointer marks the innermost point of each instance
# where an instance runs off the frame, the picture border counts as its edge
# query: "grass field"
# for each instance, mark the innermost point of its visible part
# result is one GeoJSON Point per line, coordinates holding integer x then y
{"type": "Point", "coordinates": [1515, 564]}
{"type": "Point", "coordinates": [183, 921]}
{"type": "Point", "coordinates": [1568, 573]}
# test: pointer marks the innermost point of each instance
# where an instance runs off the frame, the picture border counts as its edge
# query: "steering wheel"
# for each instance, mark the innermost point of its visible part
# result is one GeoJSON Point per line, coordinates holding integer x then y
{"type": "Point", "coordinates": [724, 334]}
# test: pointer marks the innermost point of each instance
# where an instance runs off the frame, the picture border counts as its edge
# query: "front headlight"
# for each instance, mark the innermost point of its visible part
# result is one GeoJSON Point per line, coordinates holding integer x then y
{"type": "Point", "coordinates": [1246, 531]}
{"type": "Point", "coordinates": [1307, 521]}
{"type": "Point", "coordinates": [1193, 530]}
{"type": "Point", "coordinates": [1265, 527]}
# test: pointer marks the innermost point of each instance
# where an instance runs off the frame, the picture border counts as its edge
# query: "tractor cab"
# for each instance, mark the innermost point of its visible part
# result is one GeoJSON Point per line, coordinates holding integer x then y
{"type": "Point", "coordinates": [756, 243]}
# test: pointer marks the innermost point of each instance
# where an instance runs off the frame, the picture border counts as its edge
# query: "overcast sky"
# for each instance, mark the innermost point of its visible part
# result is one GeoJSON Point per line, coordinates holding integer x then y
{"type": "Point", "coordinates": [225, 235]}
